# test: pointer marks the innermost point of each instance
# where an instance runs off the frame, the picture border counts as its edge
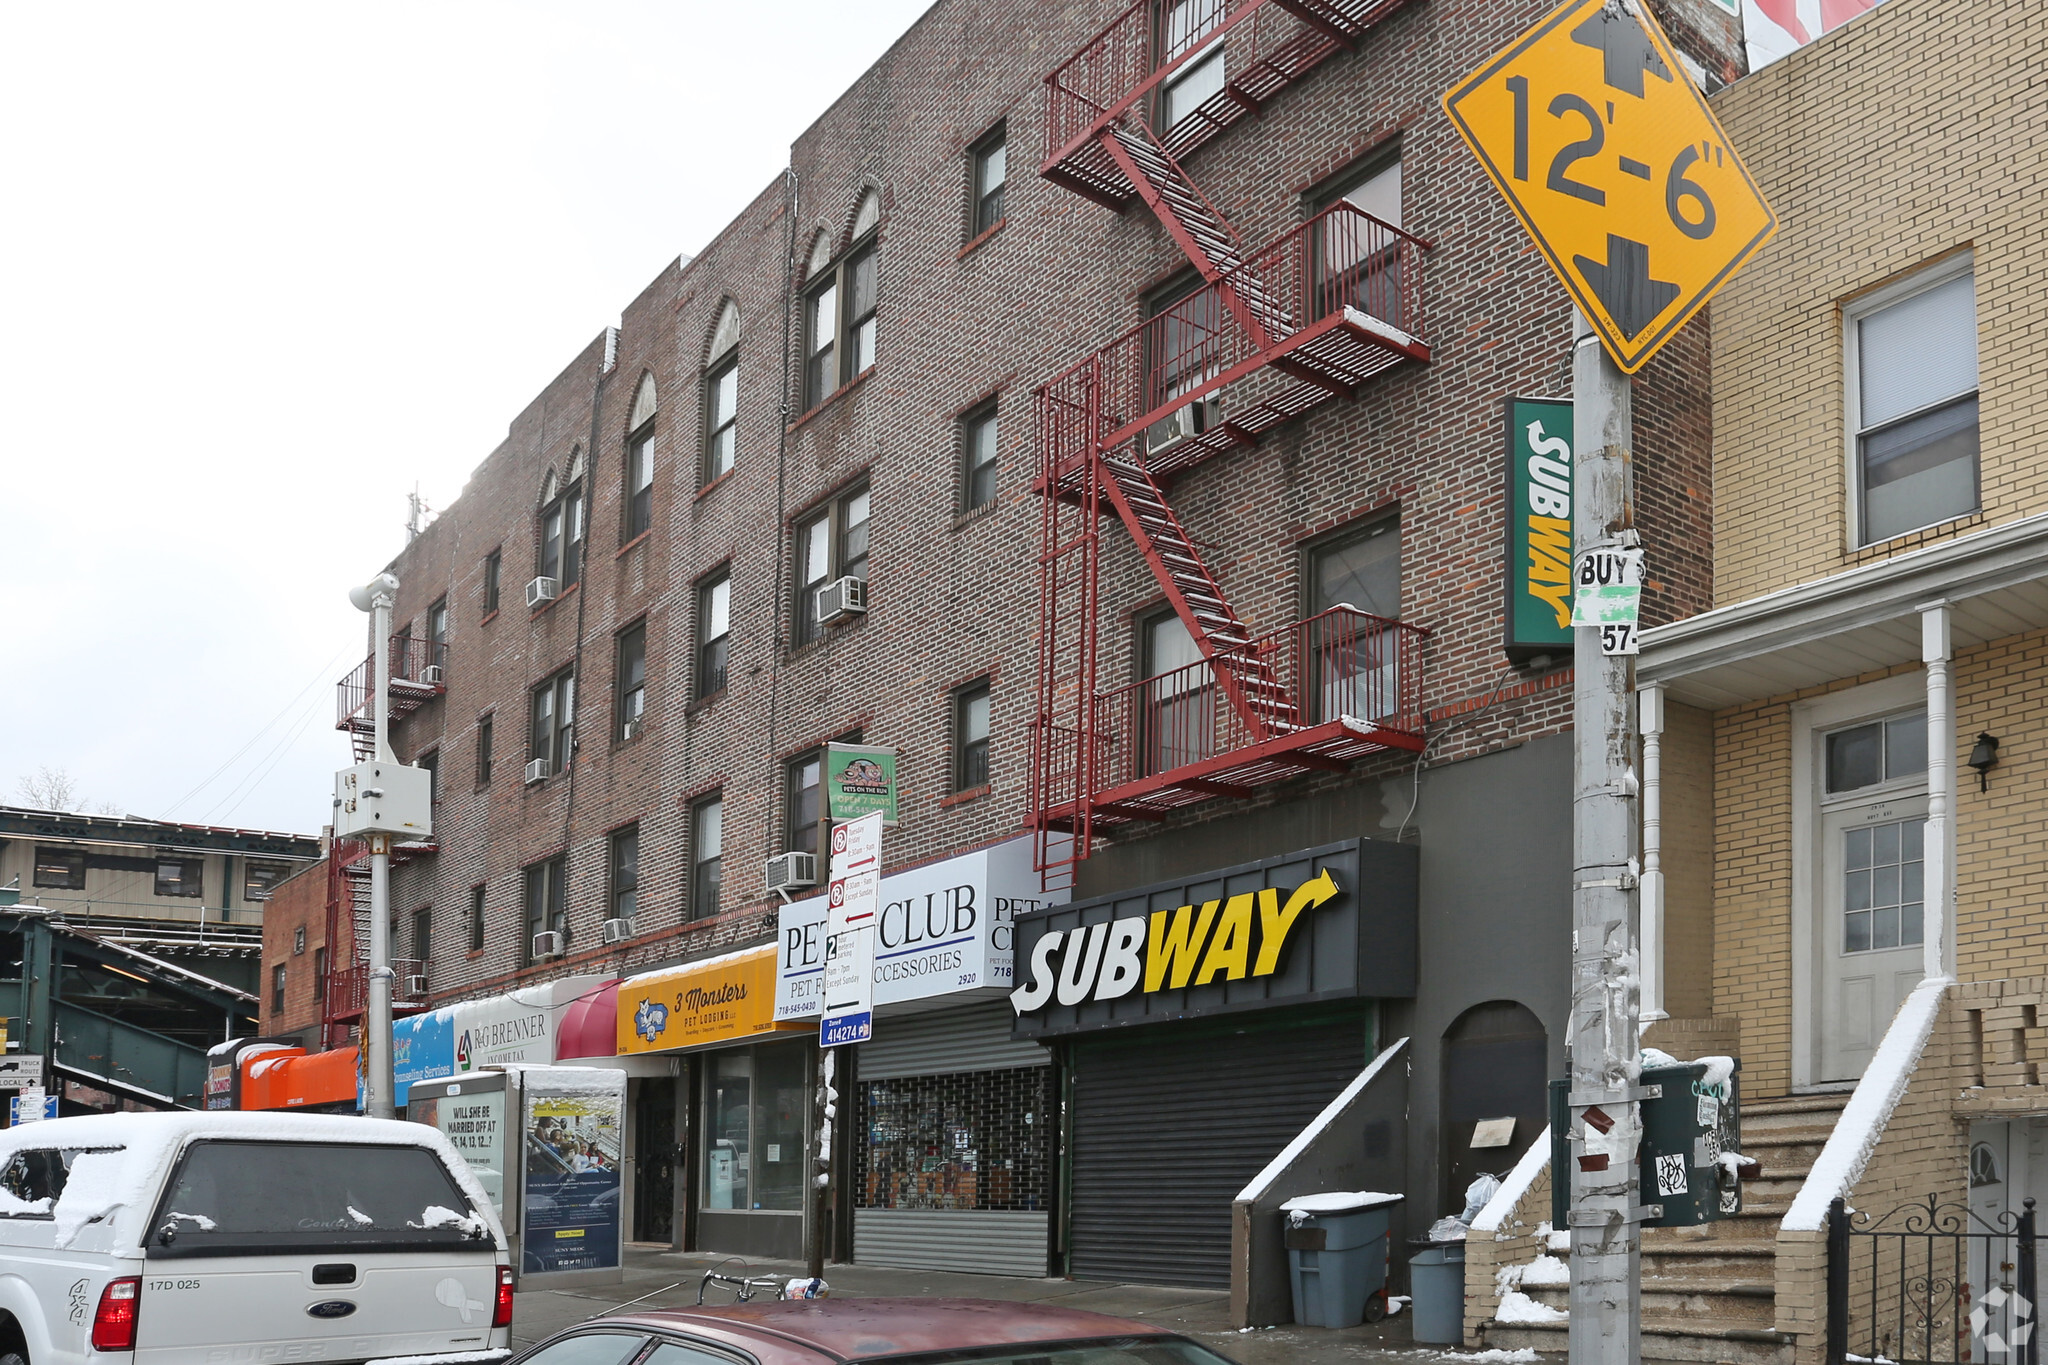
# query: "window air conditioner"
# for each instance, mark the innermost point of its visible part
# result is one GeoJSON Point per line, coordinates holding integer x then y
{"type": "Point", "coordinates": [792, 871]}
{"type": "Point", "coordinates": [630, 729]}
{"type": "Point", "coordinates": [416, 985]}
{"type": "Point", "coordinates": [536, 771]}
{"type": "Point", "coordinates": [841, 600]}
{"type": "Point", "coordinates": [431, 675]}
{"type": "Point", "coordinates": [1180, 425]}
{"type": "Point", "coordinates": [540, 590]}
{"type": "Point", "coordinates": [547, 944]}
{"type": "Point", "coordinates": [617, 930]}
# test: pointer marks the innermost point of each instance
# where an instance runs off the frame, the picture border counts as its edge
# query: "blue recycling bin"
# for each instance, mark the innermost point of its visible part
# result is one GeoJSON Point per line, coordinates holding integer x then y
{"type": "Point", "coordinates": [1337, 1256]}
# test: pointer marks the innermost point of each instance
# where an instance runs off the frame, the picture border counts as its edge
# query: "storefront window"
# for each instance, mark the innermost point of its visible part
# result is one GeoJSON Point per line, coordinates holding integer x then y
{"type": "Point", "coordinates": [974, 1140]}
{"type": "Point", "coordinates": [756, 1102]}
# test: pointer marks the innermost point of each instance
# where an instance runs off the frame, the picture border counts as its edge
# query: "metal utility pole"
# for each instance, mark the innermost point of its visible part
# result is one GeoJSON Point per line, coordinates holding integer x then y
{"type": "Point", "coordinates": [380, 1089]}
{"type": "Point", "coordinates": [1606, 1209]}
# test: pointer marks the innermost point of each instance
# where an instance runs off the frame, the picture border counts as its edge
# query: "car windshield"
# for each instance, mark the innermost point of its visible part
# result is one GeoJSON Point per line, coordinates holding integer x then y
{"type": "Point", "coordinates": [1145, 1350]}
{"type": "Point", "coordinates": [277, 1196]}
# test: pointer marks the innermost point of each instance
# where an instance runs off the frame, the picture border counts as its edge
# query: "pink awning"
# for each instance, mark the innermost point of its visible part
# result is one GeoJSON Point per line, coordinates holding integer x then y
{"type": "Point", "coordinates": [590, 1026]}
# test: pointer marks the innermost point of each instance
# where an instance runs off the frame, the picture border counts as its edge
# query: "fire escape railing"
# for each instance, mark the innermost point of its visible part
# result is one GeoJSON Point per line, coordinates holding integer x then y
{"type": "Point", "coordinates": [417, 677]}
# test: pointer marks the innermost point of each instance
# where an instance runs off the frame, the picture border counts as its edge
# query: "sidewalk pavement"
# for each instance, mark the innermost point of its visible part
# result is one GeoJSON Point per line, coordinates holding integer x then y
{"type": "Point", "coordinates": [669, 1280]}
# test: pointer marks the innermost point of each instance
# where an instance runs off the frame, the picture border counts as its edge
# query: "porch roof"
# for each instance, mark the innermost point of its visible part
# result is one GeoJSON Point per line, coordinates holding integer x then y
{"type": "Point", "coordinates": [1853, 622]}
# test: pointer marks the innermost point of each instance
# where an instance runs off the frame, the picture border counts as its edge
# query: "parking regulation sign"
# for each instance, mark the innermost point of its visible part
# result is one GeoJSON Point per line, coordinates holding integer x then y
{"type": "Point", "coordinates": [852, 908]}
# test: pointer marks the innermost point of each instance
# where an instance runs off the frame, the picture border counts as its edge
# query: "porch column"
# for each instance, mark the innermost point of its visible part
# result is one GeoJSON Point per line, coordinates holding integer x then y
{"type": "Point", "coordinates": [1650, 932]}
{"type": "Point", "coordinates": [1939, 890]}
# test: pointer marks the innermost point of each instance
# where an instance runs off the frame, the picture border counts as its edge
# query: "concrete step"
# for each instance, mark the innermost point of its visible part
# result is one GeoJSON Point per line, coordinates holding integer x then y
{"type": "Point", "coordinates": [1750, 1262]}
{"type": "Point", "coordinates": [1680, 1343]}
{"type": "Point", "coordinates": [1792, 1104]}
{"type": "Point", "coordinates": [1686, 1301]}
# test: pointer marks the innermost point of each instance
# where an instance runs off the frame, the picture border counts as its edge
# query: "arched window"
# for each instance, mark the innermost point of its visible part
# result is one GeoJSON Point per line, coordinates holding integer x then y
{"type": "Point", "coordinates": [721, 395]}
{"type": "Point", "coordinates": [640, 463]}
{"type": "Point", "coordinates": [560, 556]}
{"type": "Point", "coordinates": [839, 308]}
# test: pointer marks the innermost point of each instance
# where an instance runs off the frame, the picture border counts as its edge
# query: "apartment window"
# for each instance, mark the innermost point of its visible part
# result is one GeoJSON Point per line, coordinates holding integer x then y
{"type": "Point", "coordinates": [821, 331]}
{"type": "Point", "coordinates": [714, 634]}
{"type": "Point", "coordinates": [181, 877]}
{"type": "Point", "coordinates": [1177, 719]}
{"type": "Point", "coordinates": [60, 869]}
{"type": "Point", "coordinates": [978, 458]}
{"type": "Point", "coordinates": [319, 972]}
{"type": "Point", "coordinates": [437, 633]}
{"type": "Point", "coordinates": [970, 736]}
{"type": "Point", "coordinates": [299, 941]}
{"type": "Point", "coordinates": [1913, 403]}
{"type": "Point", "coordinates": [485, 737]}
{"type": "Point", "coordinates": [1183, 351]}
{"type": "Point", "coordinates": [476, 918]}
{"type": "Point", "coordinates": [833, 544]}
{"type": "Point", "coordinates": [494, 569]}
{"type": "Point", "coordinates": [630, 671]}
{"type": "Point", "coordinates": [860, 311]}
{"type": "Point", "coordinates": [991, 160]}
{"type": "Point", "coordinates": [1358, 262]}
{"type": "Point", "coordinates": [804, 805]}
{"type": "Point", "coordinates": [1357, 657]}
{"type": "Point", "coordinates": [707, 851]}
{"type": "Point", "coordinates": [422, 934]}
{"type": "Point", "coordinates": [260, 878]}
{"type": "Point", "coordinates": [839, 313]}
{"type": "Point", "coordinates": [431, 762]}
{"type": "Point", "coordinates": [546, 901]}
{"type": "Point", "coordinates": [640, 462]}
{"type": "Point", "coordinates": [561, 538]}
{"type": "Point", "coordinates": [721, 417]}
{"type": "Point", "coordinates": [554, 712]}
{"type": "Point", "coordinates": [625, 865]}
{"type": "Point", "coordinates": [277, 984]}
{"type": "Point", "coordinates": [1186, 26]}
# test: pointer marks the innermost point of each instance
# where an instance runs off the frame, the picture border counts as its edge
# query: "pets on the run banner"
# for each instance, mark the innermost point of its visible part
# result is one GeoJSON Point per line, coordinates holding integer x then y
{"type": "Point", "coordinates": [853, 905]}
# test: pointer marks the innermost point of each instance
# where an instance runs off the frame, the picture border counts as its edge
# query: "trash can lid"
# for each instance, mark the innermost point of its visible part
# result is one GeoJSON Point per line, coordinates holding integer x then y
{"type": "Point", "coordinates": [1339, 1201]}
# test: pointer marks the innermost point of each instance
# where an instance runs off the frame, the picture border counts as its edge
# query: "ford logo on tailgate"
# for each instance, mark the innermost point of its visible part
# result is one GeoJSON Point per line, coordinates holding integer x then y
{"type": "Point", "coordinates": [333, 1308]}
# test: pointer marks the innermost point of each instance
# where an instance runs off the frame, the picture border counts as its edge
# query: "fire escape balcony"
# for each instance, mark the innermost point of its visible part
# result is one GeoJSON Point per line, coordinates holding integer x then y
{"type": "Point", "coordinates": [348, 991]}
{"type": "Point", "coordinates": [417, 666]}
{"type": "Point", "coordinates": [346, 994]}
{"type": "Point", "coordinates": [1299, 324]}
{"type": "Point", "coordinates": [1337, 687]}
{"type": "Point", "coordinates": [1229, 58]}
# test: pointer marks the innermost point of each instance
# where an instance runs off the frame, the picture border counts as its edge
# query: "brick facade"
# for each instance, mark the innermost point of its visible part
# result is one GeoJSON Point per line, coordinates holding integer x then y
{"type": "Point", "coordinates": [297, 907]}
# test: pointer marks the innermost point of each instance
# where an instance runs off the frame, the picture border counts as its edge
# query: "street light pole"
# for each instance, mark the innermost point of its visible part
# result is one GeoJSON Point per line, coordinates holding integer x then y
{"type": "Point", "coordinates": [379, 1086]}
{"type": "Point", "coordinates": [1606, 1050]}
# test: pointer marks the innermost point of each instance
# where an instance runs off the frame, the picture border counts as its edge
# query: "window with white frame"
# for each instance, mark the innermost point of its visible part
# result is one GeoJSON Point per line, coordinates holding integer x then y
{"type": "Point", "coordinates": [721, 396]}
{"type": "Point", "coordinates": [640, 463]}
{"type": "Point", "coordinates": [831, 544]}
{"type": "Point", "coordinates": [1186, 26]}
{"type": "Point", "coordinates": [991, 168]}
{"type": "Point", "coordinates": [1912, 369]}
{"type": "Point", "coordinates": [707, 854]}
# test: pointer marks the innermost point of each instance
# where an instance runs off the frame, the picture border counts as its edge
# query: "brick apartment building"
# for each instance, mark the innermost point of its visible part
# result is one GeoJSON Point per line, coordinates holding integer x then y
{"type": "Point", "coordinates": [916, 362]}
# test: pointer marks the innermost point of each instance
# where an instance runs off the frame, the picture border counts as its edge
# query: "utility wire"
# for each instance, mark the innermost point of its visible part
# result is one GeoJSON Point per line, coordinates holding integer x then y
{"type": "Point", "coordinates": [246, 788]}
{"type": "Point", "coordinates": [326, 670]}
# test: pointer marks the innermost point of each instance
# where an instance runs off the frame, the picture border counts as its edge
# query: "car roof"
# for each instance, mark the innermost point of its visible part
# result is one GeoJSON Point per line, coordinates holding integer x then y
{"type": "Point", "coordinates": [850, 1329]}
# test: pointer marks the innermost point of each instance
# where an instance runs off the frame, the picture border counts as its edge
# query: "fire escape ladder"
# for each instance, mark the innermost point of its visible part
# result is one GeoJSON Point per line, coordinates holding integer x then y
{"type": "Point", "coordinates": [1243, 674]}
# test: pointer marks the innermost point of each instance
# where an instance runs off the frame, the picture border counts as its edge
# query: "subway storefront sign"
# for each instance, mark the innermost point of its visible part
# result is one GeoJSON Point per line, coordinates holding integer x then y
{"type": "Point", "coordinates": [1326, 923]}
{"type": "Point", "coordinates": [723, 999]}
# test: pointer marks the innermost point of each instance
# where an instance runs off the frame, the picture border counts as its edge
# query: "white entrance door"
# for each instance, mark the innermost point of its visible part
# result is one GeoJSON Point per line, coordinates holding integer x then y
{"type": "Point", "coordinates": [1869, 928]}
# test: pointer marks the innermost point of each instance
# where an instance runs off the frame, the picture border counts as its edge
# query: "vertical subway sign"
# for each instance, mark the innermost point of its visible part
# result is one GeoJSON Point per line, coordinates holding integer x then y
{"type": "Point", "coordinates": [1539, 549]}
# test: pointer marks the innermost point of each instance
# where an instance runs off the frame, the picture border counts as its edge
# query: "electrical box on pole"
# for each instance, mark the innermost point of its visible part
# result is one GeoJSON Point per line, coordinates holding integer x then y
{"type": "Point", "coordinates": [383, 798]}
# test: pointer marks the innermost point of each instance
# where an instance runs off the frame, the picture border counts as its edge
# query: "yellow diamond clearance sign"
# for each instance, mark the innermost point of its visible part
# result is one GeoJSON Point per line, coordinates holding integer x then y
{"type": "Point", "coordinates": [1616, 166]}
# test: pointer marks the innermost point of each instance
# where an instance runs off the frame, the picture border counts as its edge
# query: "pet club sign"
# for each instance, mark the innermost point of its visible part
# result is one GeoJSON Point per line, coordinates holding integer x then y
{"type": "Point", "coordinates": [1328, 923]}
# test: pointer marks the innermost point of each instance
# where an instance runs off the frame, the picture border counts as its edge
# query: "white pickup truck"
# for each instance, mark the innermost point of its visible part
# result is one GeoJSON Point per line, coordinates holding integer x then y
{"type": "Point", "coordinates": [244, 1239]}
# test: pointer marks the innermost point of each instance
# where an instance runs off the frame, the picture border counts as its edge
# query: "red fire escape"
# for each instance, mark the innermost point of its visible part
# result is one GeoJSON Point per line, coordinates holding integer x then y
{"type": "Point", "coordinates": [1267, 335]}
{"type": "Point", "coordinates": [416, 679]}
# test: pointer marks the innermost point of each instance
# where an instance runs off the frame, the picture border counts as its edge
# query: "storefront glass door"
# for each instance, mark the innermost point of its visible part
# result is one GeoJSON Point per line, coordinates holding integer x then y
{"type": "Point", "coordinates": [755, 1104]}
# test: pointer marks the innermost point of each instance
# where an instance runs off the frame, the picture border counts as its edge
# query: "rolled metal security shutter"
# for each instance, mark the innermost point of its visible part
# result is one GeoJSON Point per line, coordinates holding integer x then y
{"type": "Point", "coordinates": [1170, 1121]}
{"type": "Point", "coordinates": [975, 1038]}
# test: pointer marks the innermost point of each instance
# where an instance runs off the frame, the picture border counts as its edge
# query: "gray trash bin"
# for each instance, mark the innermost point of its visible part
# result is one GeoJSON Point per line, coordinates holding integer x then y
{"type": "Point", "coordinates": [1436, 1274]}
{"type": "Point", "coordinates": [1337, 1256]}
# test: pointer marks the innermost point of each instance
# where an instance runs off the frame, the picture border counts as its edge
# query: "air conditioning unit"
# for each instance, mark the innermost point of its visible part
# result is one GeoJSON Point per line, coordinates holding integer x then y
{"type": "Point", "coordinates": [536, 771]}
{"type": "Point", "coordinates": [540, 590]}
{"type": "Point", "coordinates": [630, 729]}
{"type": "Point", "coordinates": [617, 930]}
{"type": "Point", "coordinates": [415, 985]}
{"type": "Point", "coordinates": [792, 871]}
{"type": "Point", "coordinates": [841, 600]}
{"type": "Point", "coordinates": [1180, 425]}
{"type": "Point", "coordinates": [431, 675]}
{"type": "Point", "coordinates": [547, 944]}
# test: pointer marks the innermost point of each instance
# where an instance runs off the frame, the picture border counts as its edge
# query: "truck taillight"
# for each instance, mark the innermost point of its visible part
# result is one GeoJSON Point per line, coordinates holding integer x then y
{"type": "Point", "coordinates": [501, 1315]}
{"type": "Point", "coordinates": [113, 1323]}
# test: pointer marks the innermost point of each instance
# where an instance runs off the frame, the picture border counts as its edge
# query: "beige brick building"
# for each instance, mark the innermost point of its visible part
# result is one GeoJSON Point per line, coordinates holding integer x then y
{"type": "Point", "coordinates": [1831, 891]}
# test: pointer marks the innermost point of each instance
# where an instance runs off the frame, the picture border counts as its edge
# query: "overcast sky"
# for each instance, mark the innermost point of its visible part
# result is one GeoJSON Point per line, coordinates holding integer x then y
{"type": "Point", "coordinates": [264, 268]}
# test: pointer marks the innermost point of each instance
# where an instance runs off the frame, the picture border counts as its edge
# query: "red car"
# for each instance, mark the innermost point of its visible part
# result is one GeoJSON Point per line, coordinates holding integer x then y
{"type": "Point", "coordinates": [839, 1331]}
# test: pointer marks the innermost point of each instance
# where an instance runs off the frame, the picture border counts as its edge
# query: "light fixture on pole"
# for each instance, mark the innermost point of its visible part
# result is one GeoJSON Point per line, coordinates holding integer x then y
{"type": "Point", "coordinates": [374, 801]}
{"type": "Point", "coordinates": [1984, 757]}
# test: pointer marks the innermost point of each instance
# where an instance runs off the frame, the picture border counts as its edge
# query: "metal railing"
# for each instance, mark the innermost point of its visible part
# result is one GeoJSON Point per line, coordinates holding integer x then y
{"type": "Point", "coordinates": [348, 988]}
{"type": "Point", "coordinates": [411, 656]}
{"type": "Point", "coordinates": [1931, 1284]}
{"type": "Point", "coordinates": [1341, 258]}
{"type": "Point", "coordinates": [1340, 663]}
